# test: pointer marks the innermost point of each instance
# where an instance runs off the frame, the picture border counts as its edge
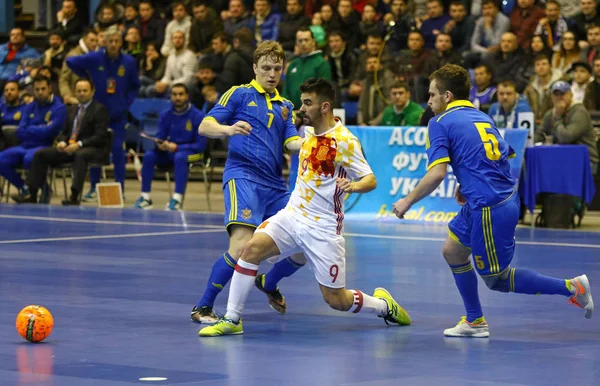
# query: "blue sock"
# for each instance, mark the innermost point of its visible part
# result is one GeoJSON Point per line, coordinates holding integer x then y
{"type": "Point", "coordinates": [221, 273]}
{"type": "Point", "coordinates": [466, 281]}
{"type": "Point", "coordinates": [283, 268]}
{"type": "Point", "coordinates": [524, 281]}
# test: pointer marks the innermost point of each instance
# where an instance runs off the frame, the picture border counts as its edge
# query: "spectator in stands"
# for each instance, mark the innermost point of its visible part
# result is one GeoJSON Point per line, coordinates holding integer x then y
{"type": "Point", "coordinates": [211, 96]}
{"type": "Point", "coordinates": [372, 101]}
{"type": "Point", "coordinates": [510, 62]}
{"type": "Point", "coordinates": [152, 26]}
{"type": "Point", "coordinates": [67, 79]}
{"type": "Point", "coordinates": [582, 77]}
{"type": "Point", "coordinates": [69, 24]}
{"type": "Point", "coordinates": [342, 62]}
{"type": "Point", "coordinates": [373, 47]}
{"type": "Point", "coordinates": [220, 48]}
{"type": "Point", "coordinates": [410, 66]}
{"type": "Point", "coordinates": [402, 111]}
{"type": "Point", "coordinates": [293, 19]}
{"type": "Point", "coordinates": [592, 50]}
{"type": "Point", "coordinates": [505, 112]}
{"type": "Point", "coordinates": [83, 139]}
{"type": "Point", "coordinates": [205, 76]}
{"type": "Point", "coordinates": [568, 122]}
{"type": "Point", "coordinates": [12, 53]}
{"type": "Point", "coordinates": [179, 144]}
{"type": "Point", "coordinates": [444, 54]}
{"type": "Point", "coordinates": [369, 24]}
{"type": "Point", "coordinates": [116, 80]}
{"type": "Point", "coordinates": [524, 19]}
{"type": "Point", "coordinates": [582, 21]}
{"type": "Point", "coordinates": [265, 22]}
{"type": "Point", "coordinates": [316, 27]}
{"type": "Point", "coordinates": [538, 90]}
{"type": "Point", "coordinates": [237, 18]}
{"type": "Point", "coordinates": [54, 56]}
{"type": "Point", "coordinates": [349, 23]}
{"type": "Point", "coordinates": [486, 37]}
{"type": "Point", "coordinates": [106, 18]}
{"type": "Point", "coordinates": [101, 38]}
{"type": "Point", "coordinates": [553, 26]}
{"type": "Point", "coordinates": [40, 123]}
{"type": "Point", "coordinates": [181, 22]}
{"type": "Point", "coordinates": [538, 47]}
{"type": "Point", "coordinates": [460, 27]}
{"type": "Point", "coordinates": [569, 52]}
{"type": "Point", "coordinates": [181, 68]}
{"type": "Point", "coordinates": [26, 71]}
{"type": "Point", "coordinates": [152, 66]}
{"type": "Point", "coordinates": [309, 63]}
{"type": "Point", "coordinates": [204, 27]}
{"type": "Point", "coordinates": [434, 23]}
{"type": "Point", "coordinates": [237, 62]}
{"type": "Point", "coordinates": [483, 94]}
{"type": "Point", "coordinates": [131, 18]}
{"type": "Point", "coordinates": [329, 17]}
{"type": "Point", "coordinates": [592, 92]}
{"type": "Point", "coordinates": [568, 8]}
{"type": "Point", "coordinates": [134, 43]}
{"type": "Point", "coordinates": [11, 108]}
{"type": "Point", "coordinates": [404, 25]}
{"type": "Point", "coordinates": [418, 9]}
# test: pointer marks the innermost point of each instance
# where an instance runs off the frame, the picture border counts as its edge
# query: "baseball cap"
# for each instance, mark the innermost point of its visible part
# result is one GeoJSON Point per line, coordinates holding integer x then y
{"type": "Point", "coordinates": [560, 86]}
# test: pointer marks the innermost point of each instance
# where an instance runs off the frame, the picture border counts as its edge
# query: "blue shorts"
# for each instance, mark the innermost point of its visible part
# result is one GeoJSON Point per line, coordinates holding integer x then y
{"type": "Point", "coordinates": [249, 203]}
{"type": "Point", "coordinates": [489, 232]}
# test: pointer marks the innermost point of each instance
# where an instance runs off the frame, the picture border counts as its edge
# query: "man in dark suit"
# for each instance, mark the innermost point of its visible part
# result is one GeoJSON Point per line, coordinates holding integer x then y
{"type": "Point", "coordinates": [83, 140]}
{"type": "Point", "coordinates": [69, 23]}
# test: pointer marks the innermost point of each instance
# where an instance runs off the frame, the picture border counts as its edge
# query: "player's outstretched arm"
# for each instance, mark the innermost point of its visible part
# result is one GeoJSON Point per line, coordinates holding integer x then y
{"type": "Point", "coordinates": [432, 179]}
{"type": "Point", "coordinates": [364, 185]}
{"type": "Point", "coordinates": [212, 129]}
{"type": "Point", "coordinates": [294, 146]}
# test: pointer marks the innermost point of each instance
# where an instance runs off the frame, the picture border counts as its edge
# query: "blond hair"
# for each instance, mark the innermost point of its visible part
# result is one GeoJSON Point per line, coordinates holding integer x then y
{"type": "Point", "coordinates": [271, 49]}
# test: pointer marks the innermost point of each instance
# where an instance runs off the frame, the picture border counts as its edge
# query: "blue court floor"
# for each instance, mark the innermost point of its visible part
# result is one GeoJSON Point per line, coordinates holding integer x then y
{"type": "Point", "coordinates": [121, 284]}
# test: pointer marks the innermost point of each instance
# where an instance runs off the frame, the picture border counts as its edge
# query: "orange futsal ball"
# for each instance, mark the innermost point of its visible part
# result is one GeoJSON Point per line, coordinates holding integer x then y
{"type": "Point", "coordinates": [34, 323]}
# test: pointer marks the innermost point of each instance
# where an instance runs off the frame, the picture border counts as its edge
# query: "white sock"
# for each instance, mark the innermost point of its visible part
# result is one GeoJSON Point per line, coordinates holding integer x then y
{"type": "Point", "coordinates": [177, 197]}
{"type": "Point", "coordinates": [367, 303]}
{"type": "Point", "coordinates": [146, 196]}
{"type": "Point", "coordinates": [241, 285]}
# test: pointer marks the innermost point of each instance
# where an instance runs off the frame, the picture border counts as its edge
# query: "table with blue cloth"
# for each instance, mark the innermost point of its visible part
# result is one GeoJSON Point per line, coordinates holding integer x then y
{"type": "Point", "coordinates": [559, 169]}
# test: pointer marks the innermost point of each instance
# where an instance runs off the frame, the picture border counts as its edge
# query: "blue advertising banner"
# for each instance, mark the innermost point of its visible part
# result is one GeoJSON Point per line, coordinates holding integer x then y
{"type": "Point", "coordinates": [398, 159]}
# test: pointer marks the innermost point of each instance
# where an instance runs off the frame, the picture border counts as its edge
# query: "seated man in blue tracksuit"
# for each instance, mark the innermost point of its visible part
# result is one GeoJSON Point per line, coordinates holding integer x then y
{"type": "Point", "coordinates": [11, 108]}
{"type": "Point", "coordinates": [180, 144]}
{"type": "Point", "coordinates": [41, 122]}
{"type": "Point", "coordinates": [115, 78]}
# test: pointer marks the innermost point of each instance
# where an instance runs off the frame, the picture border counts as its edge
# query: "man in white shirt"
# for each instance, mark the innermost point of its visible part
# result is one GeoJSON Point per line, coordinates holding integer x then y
{"type": "Point", "coordinates": [181, 22]}
{"type": "Point", "coordinates": [181, 68]}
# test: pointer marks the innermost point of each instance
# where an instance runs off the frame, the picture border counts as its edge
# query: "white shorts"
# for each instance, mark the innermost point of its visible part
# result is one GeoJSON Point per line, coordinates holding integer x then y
{"type": "Point", "coordinates": [325, 251]}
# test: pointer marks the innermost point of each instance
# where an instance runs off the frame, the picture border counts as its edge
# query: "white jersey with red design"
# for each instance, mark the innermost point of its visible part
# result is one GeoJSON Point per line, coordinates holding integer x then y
{"type": "Point", "coordinates": [324, 158]}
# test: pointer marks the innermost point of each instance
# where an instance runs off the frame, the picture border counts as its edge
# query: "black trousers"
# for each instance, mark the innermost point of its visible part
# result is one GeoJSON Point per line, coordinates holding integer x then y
{"type": "Point", "coordinates": [50, 156]}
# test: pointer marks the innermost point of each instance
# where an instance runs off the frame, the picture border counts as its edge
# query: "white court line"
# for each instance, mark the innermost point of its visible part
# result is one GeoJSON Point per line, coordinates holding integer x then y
{"type": "Point", "coordinates": [91, 221]}
{"type": "Point", "coordinates": [540, 243]}
{"type": "Point", "coordinates": [219, 227]}
{"type": "Point", "coordinates": [119, 236]}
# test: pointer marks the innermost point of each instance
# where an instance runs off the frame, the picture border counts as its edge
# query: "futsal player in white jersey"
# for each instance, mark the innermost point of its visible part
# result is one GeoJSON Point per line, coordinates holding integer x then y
{"type": "Point", "coordinates": [331, 165]}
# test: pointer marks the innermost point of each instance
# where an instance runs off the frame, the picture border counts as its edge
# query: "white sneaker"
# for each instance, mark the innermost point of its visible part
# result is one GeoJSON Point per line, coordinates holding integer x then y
{"type": "Point", "coordinates": [477, 329]}
{"type": "Point", "coordinates": [583, 295]}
